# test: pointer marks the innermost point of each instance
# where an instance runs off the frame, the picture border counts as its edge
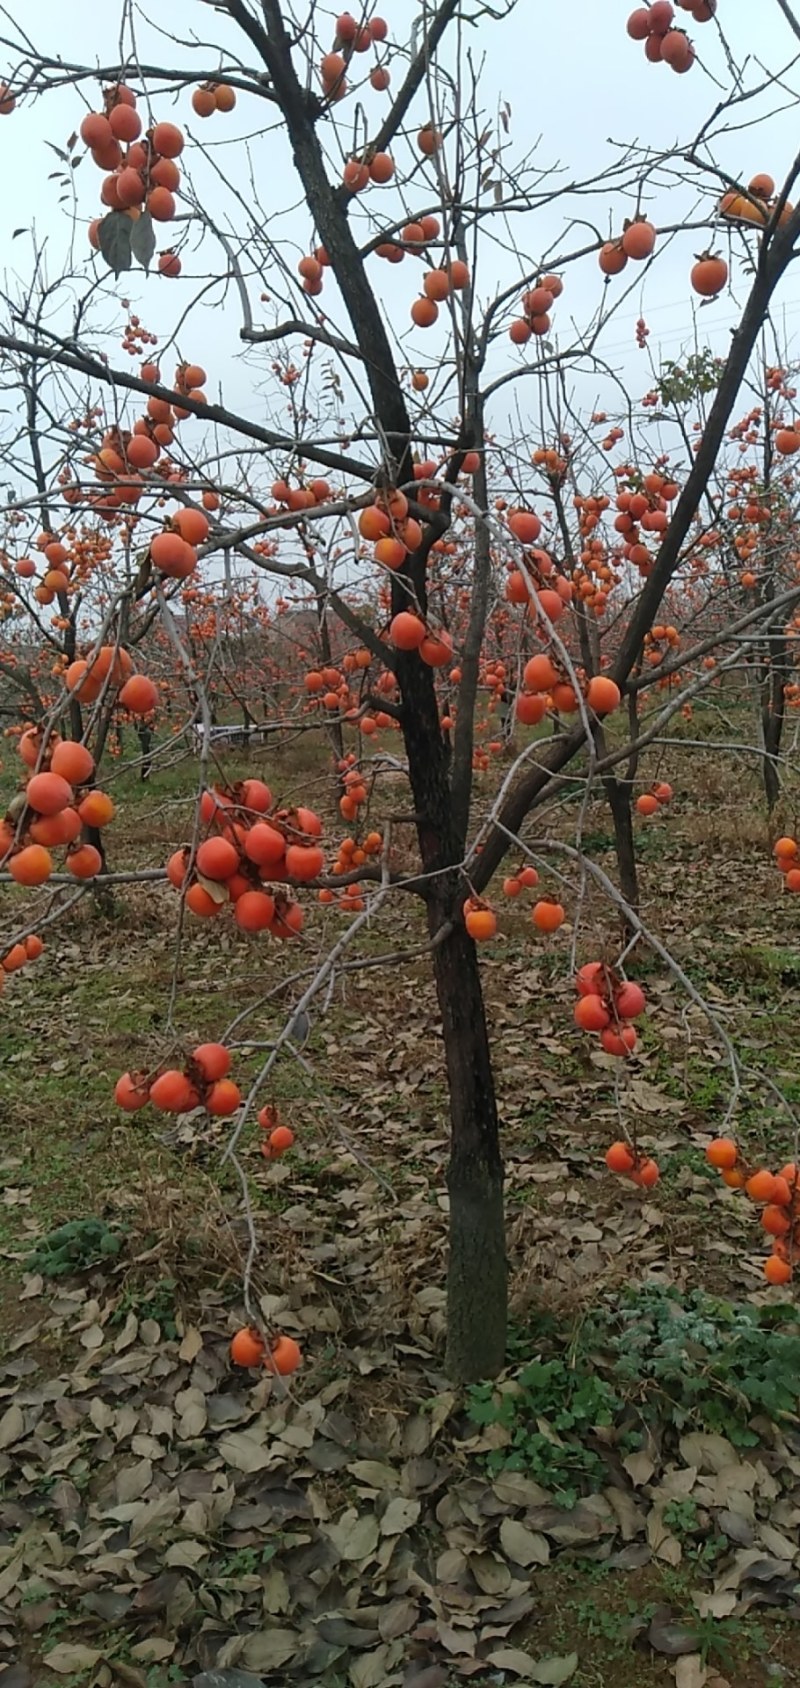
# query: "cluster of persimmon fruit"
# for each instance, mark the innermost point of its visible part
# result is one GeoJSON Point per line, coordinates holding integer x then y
{"type": "Point", "coordinates": [649, 802]}
{"type": "Point", "coordinates": [57, 575]}
{"type": "Point", "coordinates": [51, 810]}
{"type": "Point", "coordinates": [450, 276]}
{"type": "Point", "coordinates": [210, 97]}
{"type": "Point", "coordinates": [388, 525]}
{"type": "Point", "coordinates": [663, 43]}
{"type": "Point", "coordinates": [125, 455]}
{"type": "Point", "coordinates": [329, 689]}
{"type": "Point", "coordinates": [787, 859]}
{"type": "Point", "coordinates": [628, 1162]}
{"type": "Point", "coordinates": [536, 306]}
{"type": "Point", "coordinates": [28, 950]}
{"type": "Point", "coordinates": [481, 921]}
{"type": "Point", "coordinates": [388, 515]}
{"type": "Point", "coordinates": [203, 1081]}
{"type": "Point", "coordinates": [637, 241]}
{"type": "Point", "coordinates": [546, 687]}
{"type": "Point", "coordinates": [110, 669]}
{"type": "Point", "coordinates": [372, 166]}
{"type": "Point", "coordinates": [416, 239]}
{"type": "Point", "coordinates": [538, 586]}
{"type": "Point", "coordinates": [756, 205]}
{"type": "Point", "coordinates": [249, 845]}
{"type": "Point", "coordinates": [661, 639]}
{"type": "Point", "coordinates": [281, 1355]}
{"type": "Point", "coordinates": [352, 37]}
{"type": "Point", "coordinates": [408, 631]}
{"type": "Point", "coordinates": [174, 551]}
{"type": "Point", "coordinates": [354, 795]}
{"type": "Point", "coordinates": [141, 170]}
{"type": "Point", "coordinates": [608, 1004]}
{"type": "Point", "coordinates": [351, 856]}
{"type": "Point", "coordinates": [306, 495]}
{"type": "Point", "coordinates": [642, 508]}
{"type": "Point", "coordinates": [778, 1196]}
{"type": "Point", "coordinates": [277, 1138]}
{"type": "Point", "coordinates": [135, 335]}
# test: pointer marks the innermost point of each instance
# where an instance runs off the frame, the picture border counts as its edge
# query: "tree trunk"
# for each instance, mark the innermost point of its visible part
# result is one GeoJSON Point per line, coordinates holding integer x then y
{"type": "Point", "coordinates": [773, 713]}
{"type": "Point", "coordinates": [477, 1286]}
{"type": "Point", "coordinates": [477, 1274]}
{"type": "Point", "coordinates": [477, 1277]}
{"type": "Point", "coordinates": [772, 740]}
{"type": "Point", "coordinates": [619, 794]}
{"type": "Point", "coordinates": [144, 733]}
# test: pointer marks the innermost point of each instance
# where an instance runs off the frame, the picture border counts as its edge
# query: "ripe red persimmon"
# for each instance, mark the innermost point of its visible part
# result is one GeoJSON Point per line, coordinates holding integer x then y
{"type": "Point", "coordinates": [131, 1092]}
{"type": "Point", "coordinates": [223, 1098]}
{"type": "Point", "coordinates": [213, 1059]}
{"type": "Point", "coordinates": [591, 1014]}
{"type": "Point", "coordinates": [284, 1356]}
{"type": "Point", "coordinates": [247, 1348]}
{"type": "Point", "coordinates": [620, 1158]}
{"type": "Point", "coordinates": [277, 1143]}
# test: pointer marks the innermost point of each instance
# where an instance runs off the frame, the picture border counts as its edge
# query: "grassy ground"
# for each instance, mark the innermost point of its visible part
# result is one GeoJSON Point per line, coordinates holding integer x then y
{"type": "Point", "coordinates": [352, 1229]}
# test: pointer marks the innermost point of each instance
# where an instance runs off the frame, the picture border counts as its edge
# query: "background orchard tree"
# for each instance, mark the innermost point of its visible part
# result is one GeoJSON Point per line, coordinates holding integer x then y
{"type": "Point", "coordinates": [460, 514]}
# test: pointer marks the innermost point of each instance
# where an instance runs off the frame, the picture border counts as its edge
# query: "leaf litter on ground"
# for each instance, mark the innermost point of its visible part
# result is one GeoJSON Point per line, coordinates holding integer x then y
{"type": "Point", "coordinates": [161, 1512]}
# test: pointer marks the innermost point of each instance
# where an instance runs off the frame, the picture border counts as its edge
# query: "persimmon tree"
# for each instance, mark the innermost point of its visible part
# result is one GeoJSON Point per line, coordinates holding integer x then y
{"type": "Point", "coordinates": [456, 529]}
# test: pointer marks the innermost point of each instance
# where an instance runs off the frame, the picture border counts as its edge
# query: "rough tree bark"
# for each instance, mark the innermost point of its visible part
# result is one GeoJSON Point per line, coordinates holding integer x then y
{"type": "Point", "coordinates": [477, 1276]}
{"type": "Point", "coordinates": [477, 1280]}
{"type": "Point", "coordinates": [772, 718]}
{"type": "Point", "coordinates": [619, 794]}
{"type": "Point", "coordinates": [477, 1273]}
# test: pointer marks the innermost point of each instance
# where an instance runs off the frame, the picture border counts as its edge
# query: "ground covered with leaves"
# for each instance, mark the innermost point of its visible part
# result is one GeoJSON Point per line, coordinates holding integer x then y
{"type": "Point", "coordinates": [620, 1509]}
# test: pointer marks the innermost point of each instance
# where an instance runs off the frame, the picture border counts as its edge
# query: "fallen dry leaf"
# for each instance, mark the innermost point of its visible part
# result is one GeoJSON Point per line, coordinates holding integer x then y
{"type": "Point", "coordinates": [70, 1657]}
{"type": "Point", "coordinates": [690, 1672]}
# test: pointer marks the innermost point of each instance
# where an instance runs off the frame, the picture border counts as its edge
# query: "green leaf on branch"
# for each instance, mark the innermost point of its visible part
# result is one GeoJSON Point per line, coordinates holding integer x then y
{"type": "Point", "coordinates": [143, 240]}
{"type": "Point", "coordinates": [114, 240]}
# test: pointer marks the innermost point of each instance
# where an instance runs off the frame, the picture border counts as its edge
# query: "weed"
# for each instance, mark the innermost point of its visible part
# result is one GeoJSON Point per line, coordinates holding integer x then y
{"type": "Point", "coordinates": [549, 1398]}
{"type": "Point", "coordinates": [157, 1303]}
{"type": "Point", "coordinates": [721, 1640]}
{"type": "Point", "coordinates": [614, 1626]}
{"type": "Point", "coordinates": [243, 1562]}
{"type": "Point", "coordinates": [650, 1358]}
{"type": "Point", "coordinates": [681, 1517]}
{"type": "Point", "coordinates": [75, 1247]}
{"type": "Point", "coordinates": [698, 1359]}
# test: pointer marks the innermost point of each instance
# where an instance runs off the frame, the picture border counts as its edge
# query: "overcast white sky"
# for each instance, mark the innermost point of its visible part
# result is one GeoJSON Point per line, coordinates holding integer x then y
{"type": "Point", "coordinates": [570, 75]}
